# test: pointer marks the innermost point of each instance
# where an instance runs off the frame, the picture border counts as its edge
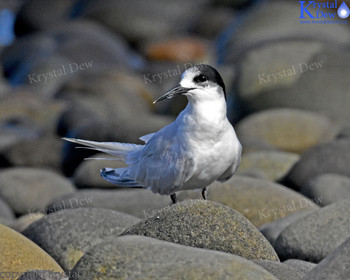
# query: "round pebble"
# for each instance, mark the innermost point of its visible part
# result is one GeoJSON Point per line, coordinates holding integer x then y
{"type": "Point", "coordinates": [68, 234]}
{"type": "Point", "coordinates": [140, 257]}
{"type": "Point", "coordinates": [28, 190]}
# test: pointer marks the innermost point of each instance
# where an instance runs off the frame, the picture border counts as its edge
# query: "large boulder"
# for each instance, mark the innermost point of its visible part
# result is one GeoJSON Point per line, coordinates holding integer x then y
{"type": "Point", "coordinates": [206, 224]}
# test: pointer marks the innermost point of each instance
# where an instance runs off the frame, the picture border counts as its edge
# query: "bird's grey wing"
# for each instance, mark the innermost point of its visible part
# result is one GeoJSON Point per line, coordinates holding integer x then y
{"type": "Point", "coordinates": [164, 164]}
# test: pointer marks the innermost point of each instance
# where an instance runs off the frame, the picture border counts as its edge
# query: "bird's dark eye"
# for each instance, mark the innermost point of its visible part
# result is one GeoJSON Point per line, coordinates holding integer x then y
{"type": "Point", "coordinates": [200, 79]}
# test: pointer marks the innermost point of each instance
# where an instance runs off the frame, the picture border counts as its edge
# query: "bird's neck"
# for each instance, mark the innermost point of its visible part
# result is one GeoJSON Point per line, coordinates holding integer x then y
{"type": "Point", "coordinates": [205, 114]}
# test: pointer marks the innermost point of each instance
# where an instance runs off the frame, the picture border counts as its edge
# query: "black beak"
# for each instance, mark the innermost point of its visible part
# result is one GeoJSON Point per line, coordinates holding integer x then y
{"type": "Point", "coordinates": [178, 90]}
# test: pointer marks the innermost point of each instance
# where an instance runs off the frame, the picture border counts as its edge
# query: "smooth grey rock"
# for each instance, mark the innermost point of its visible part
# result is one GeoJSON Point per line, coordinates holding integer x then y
{"type": "Point", "coordinates": [314, 236]}
{"type": "Point", "coordinates": [213, 20]}
{"type": "Point", "coordinates": [86, 41]}
{"type": "Point", "coordinates": [280, 270]}
{"type": "Point", "coordinates": [54, 71]}
{"type": "Point", "coordinates": [300, 265]}
{"type": "Point", "coordinates": [41, 14]}
{"type": "Point", "coordinates": [87, 174]}
{"type": "Point", "coordinates": [28, 190]}
{"type": "Point", "coordinates": [335, 266]}
{"type": "Point", "coordinates": [284, 129]}
{"type": "Point", "coordinates": [147, 23]}
{"type": "Point", "coordinates": [260, 201]}
{"type": "Point", "coordinates": [140, 257]}
{"type": "Point", "coordinates": [25, 220]}
{"type": "Point", "coordinates": [68, 234]}
{"type": "Point", "coordinates": [206, 224]}
{"type": "Point", "coordinates": [34, 115]}
{"type": "Point", "coordinates": [140, 203]}
{"type": "Point", "coordinates": [3, 84]}
{"type": "Point", "coordinates": [278, 74]}
{"type": "Point", "coordinates": [5, 210]}
{"type": "Point", "coordinates": [272, 230]}
{"type": "Point", "coordinates": [24, 52]}
{"type": "Point", "coordinates": [78, 47]}
{"type": "Point", "coordinates": [43, 152]}
{"type": "Point", "coordinates": [269, 165]}
{"type": "Point", "coordinates": [330, 187]}
{"type": "Point", "coordinates": [344, 133]}
{"type": "Point", "coordinates": [332, 157]}
{"type": "Point", "coordinates": [280, 19]}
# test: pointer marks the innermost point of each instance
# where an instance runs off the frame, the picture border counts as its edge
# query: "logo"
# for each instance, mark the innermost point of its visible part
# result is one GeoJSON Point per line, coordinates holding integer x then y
{"type": "Point", "coordinates": [323, 12]}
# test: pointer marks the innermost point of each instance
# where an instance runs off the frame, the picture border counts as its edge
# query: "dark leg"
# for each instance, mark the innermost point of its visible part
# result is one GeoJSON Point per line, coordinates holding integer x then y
{"type": "Point", "coordinates": [204, 193]}
{"type": "Point", "coordinates": [173, 198]}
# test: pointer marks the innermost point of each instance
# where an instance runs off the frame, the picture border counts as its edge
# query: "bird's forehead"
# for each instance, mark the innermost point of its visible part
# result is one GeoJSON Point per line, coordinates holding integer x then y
{"type": "Point", "coordinates": [190, 73]}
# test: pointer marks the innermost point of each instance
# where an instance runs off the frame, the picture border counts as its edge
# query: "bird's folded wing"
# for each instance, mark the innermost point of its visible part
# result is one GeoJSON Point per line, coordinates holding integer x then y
{"type": "Point", "coordinates": [164, 174]}
{"type": "Point", "coordinates": [163, 164]}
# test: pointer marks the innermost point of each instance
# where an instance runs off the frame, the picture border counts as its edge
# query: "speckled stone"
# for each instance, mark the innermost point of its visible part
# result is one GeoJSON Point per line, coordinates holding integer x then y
{"type": "Point", "coordinates": [30, 189]}
{"type": "Point", "coordinates": [206, 224]}
{"type": "Point", "coordinates": [314, 236]}
{"type": "Point", "coordinates": [18, 254]}
{"type": "Point", "coordinates": [335, 266]}
{"type": "Point", "coordinates": [280, 270]}
{"type": "Point", "coordinates": [260, 201]}
{"type": "Point", "coordinates": [140, 257]}
{"type": "Point", "coordinates": [42, 275]}
{"type": "Point", "coordinates": [68, 234]}
{"type": "Point", "coordinates": [270, 165]}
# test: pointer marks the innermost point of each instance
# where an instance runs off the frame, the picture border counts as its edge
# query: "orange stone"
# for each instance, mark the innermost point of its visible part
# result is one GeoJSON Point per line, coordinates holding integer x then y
{"type": "Point", "coordinates": [178, 50]}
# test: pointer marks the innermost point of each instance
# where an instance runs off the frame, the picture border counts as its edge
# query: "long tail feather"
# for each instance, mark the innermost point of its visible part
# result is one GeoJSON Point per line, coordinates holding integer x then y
{"type": "Point", "coordinates": [119, 150]}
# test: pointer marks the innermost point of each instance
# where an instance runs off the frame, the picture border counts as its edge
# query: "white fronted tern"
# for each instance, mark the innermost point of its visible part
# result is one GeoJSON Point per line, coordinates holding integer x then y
{"type": "Point", "coordinates": [199, 147]}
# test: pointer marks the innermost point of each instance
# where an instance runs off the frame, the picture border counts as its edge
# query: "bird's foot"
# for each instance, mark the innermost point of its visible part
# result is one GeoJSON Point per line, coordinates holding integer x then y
{"type": "Point", "coordinates": [173, 198]}
{"type": "Point", "coordinates": [204, 193]}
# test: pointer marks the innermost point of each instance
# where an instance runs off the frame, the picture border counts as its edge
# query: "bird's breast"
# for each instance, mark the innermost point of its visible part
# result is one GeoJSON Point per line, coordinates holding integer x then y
{"type": "Point", "coordinates": [214, 152]}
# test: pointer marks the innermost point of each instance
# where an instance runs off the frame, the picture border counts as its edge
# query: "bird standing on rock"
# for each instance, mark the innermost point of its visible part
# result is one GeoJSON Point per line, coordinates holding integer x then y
{"type": "Point", "coordinates": [199, 147]}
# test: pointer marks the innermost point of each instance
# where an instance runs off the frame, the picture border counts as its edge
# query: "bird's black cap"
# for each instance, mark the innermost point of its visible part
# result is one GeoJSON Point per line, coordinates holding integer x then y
{"type": "Point", "coordinates": [211, 75]}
